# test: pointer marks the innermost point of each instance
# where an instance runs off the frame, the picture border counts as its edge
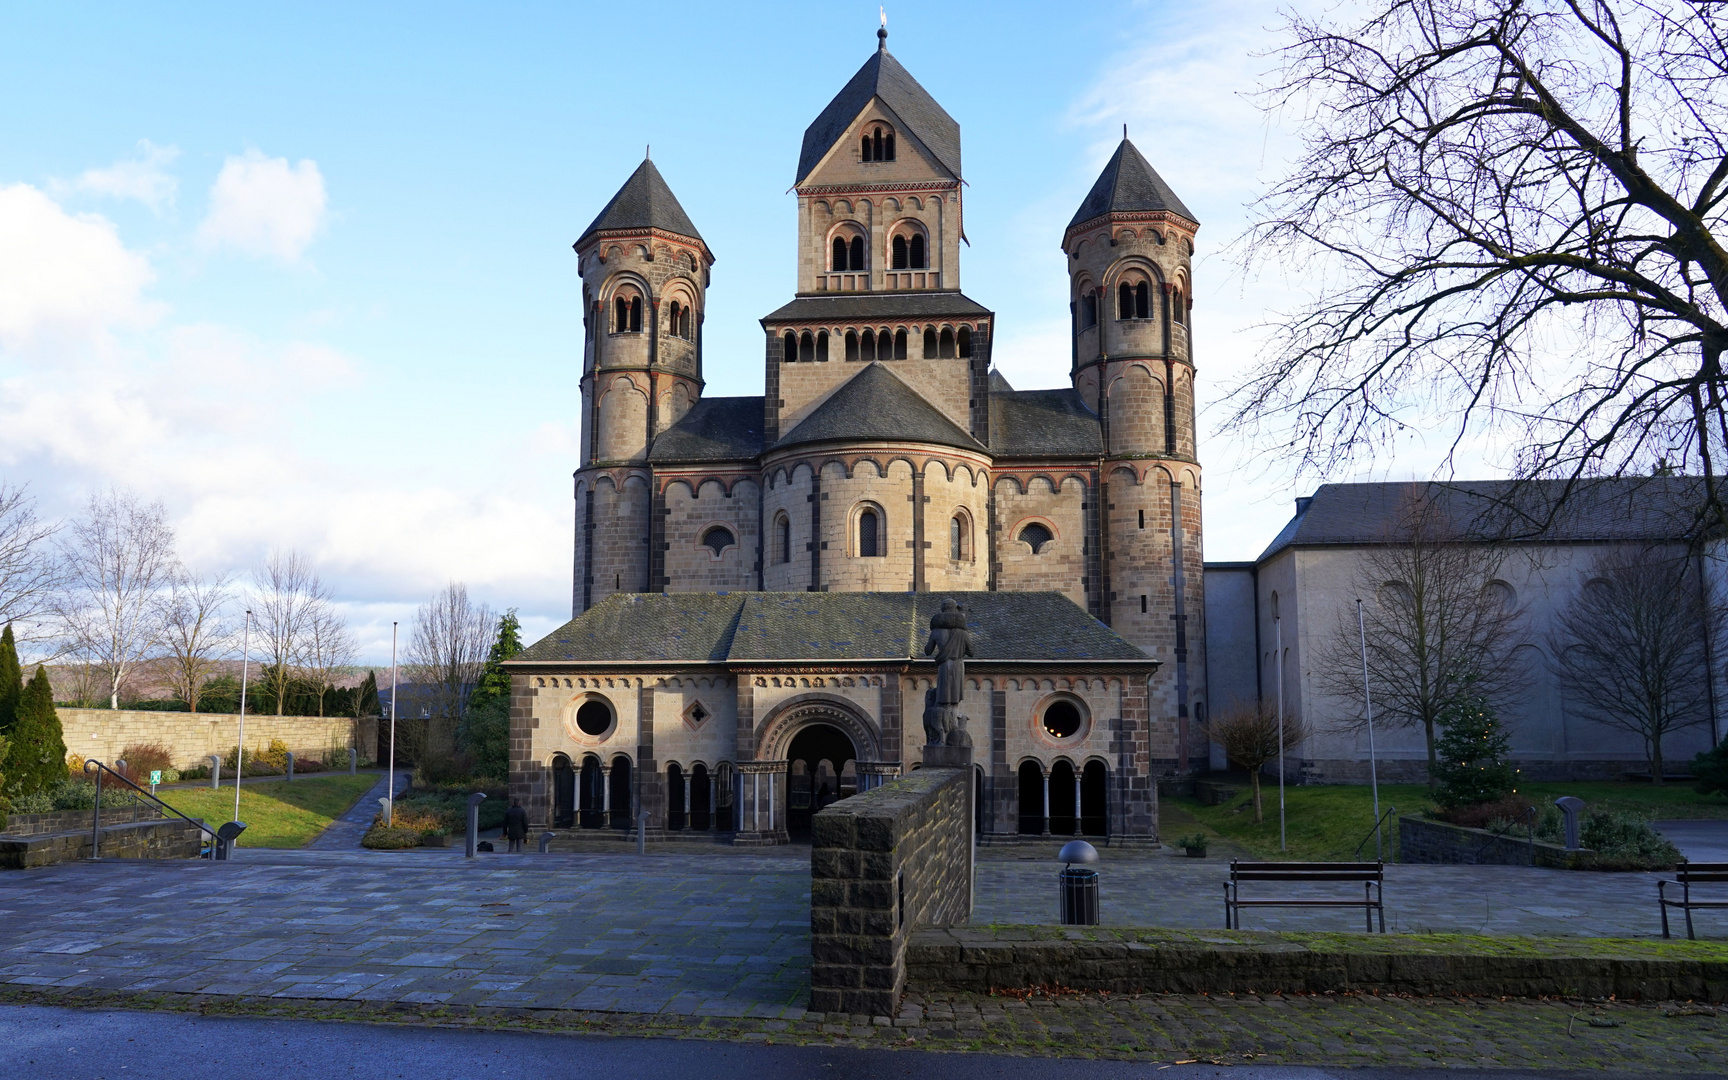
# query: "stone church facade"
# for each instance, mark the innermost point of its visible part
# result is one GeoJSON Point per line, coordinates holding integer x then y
{"type": "Point", "coordinates": [885, 457]}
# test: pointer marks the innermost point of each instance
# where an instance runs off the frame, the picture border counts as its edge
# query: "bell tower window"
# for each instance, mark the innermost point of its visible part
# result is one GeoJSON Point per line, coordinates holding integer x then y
{"type": "Point", "coordinates": [878, 144]}
{"type": "Point", "coordinates": [917, 252]}
{"type": "Point", "coordinates": [899, 253]}
{"type": "Point", "coordinates": [840, 250]}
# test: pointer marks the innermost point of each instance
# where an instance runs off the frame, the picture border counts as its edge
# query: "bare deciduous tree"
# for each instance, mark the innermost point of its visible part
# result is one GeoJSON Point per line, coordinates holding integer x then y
{"type": "Point", "coordinates": [329, 646]}
{"type": "Point", "coordinates": [1436, 619]}
{"type": "Point", "coordinates": [196, 632]}
{"type": "Point", "coordinates": [118, 557]}
{"type": "Point", "coordinates": [1630, 652]}
{"type": "Point", "coordinates": [29, 572]}
{"type": "Point", "coordinates": [1249, 736]}
{"type": "Point", "coordinates": [1512, 217]}
{"type": "Point", "coordinates": [447, 649]}
{"type": "Point", "coordinates": [286, 594]}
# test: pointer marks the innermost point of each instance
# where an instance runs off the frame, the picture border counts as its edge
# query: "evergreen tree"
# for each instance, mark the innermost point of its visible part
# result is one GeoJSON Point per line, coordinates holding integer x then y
{"type": "Point", "coordinates": [484, 732]}
{"type": "Point", "coordinates": [1471, 765]}
{"type": "Point", "coordinates": [11, 680]}
{"type": "Point", "coordinates": [36, 756]}
{"type": "Point", "coordinates": [1710, 769]}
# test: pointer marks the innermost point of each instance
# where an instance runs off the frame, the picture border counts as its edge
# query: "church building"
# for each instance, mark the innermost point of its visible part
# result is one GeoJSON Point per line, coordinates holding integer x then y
{"type": "Point", "coordinates": [755, 576]}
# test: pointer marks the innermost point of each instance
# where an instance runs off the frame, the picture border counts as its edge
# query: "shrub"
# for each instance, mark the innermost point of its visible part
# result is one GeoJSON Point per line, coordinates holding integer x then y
{"type": "Point", "coordinates": [74, 764]}
{"type": "Point", "coordinates": [1616, 841]}
{"type": "Point", "coordinates": [142, 758]}
{"type": "Point", "coordinates": [36, 748]}
{"type": "Point", "coordinates": [1711, 769]}
{"type": "Point", "coordinates": [1513, 810]}
{"type": "Point", "coordinates": [1197, 841]}
{"type": "Point", "coordinates": [196, 772]}
{"type": "Point", "coordinates": [37, 802]}
{"type": "Point", "coordinates": [384, 838]}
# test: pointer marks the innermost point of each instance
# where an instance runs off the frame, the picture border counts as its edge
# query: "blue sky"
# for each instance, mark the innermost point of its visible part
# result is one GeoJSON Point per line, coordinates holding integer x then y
{"type": "Point", "coordinates": [304, 274]}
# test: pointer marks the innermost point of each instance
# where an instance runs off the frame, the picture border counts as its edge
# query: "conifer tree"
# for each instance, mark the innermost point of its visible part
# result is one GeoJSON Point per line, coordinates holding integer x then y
{"type": "Point", "coordinates": [485, 729]}
{"type": "Point", "coordinates": [36, 754]}
{"type": "Point", "coordinates": [11, 680]}
{"type": "Point", "coordinates": [1471, 765]}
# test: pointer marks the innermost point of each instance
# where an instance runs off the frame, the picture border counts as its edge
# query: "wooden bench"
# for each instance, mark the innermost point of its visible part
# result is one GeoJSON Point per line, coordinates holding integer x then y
{"type": "Point", "coordinates": [1370, 875]}
{"type": "Point", "coordinates": [1688, 874]}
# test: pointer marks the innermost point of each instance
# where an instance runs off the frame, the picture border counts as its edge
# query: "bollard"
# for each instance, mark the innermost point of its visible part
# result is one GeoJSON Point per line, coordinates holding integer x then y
{"type": "Point", "coordinates": [642, 832]}
{"type": "Point", "coordinates": [384, 808]}
{"type": "Point", "coordinates": [353, 760]}
{"type": "Point", "coordinates": [215, 772]}
{"type": "Point", "coordinates": [1573, 807]}
{"type": "Point", "coordinates": [95, 767]}
{"type": "Point", "coordinates": [290, 757]}
{"type": "Point", "coordinates": [226, 835]}
{"type": "Point", "coordinates": [546, 842]}
{"type": "Point", "coordinates": [1077, 889]}
{"type": "Point", "coordinates": [474, 802]}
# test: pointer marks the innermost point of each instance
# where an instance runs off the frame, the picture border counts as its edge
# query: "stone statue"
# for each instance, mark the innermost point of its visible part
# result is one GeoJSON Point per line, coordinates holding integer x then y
{"type": "Point", "coordinates": [949, 645]}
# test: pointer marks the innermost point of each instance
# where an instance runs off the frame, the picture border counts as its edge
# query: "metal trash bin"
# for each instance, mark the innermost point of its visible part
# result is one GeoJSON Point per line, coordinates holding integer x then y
{"type": "Point", "coordinates": [1077, 887]}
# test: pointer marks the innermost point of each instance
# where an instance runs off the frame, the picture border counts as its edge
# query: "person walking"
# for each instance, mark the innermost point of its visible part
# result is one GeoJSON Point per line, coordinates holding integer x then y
{"type": "Point", "coordinates": [516, 824]}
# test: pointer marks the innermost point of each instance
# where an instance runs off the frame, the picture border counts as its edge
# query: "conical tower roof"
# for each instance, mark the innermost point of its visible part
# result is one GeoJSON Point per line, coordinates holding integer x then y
{"type": "Point", "coordinates": [1129, 183]}
{"type": "Point", "coordinates": [644, 202]}
{"type": "Point", "coordinates": [883, 77]}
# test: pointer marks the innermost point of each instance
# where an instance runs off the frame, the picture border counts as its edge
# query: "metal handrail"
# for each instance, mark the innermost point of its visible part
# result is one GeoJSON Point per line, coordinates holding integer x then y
{"type": "Point", "coordinates": [97, 823]}
{"type": "Point", "coordinates": [1381, 820]}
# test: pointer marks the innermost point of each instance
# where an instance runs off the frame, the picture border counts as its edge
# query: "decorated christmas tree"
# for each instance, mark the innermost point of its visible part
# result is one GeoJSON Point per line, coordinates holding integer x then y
{"type": "Point", "coordinates": [1471, 753]}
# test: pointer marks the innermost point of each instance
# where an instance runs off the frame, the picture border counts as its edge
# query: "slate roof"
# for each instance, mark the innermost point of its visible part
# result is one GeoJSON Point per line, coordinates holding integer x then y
{"type": "Point", "coordinates": [643, 202]}
{"type": "Point", "coordinates": [1606, 509]}
{"type": "Point", "coordinates": [877, 405]}
{"type": "Point", "coordinates": [1129, 183]}
{"type": "Point", "coordinates": [715, 429]}
{"type": "Point", "coordinates": [746, 627]}
{"type": "Point", "coordinates": [1042, 423]}
{"type": "Point", "coordinates": [883, 77]}
{"type": "Point", "coordinates": [843, 306]}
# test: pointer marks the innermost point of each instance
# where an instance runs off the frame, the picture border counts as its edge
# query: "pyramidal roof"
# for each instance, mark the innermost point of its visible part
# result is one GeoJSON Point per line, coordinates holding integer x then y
{"type": "Point", "coordinates": [877, 405]}
{"type": "Point", "coordinates": [643, 202]}
{"type": "Point", "coordinates": [883, 77]}
{"type": "Point", "coordinates": [1129, 183]}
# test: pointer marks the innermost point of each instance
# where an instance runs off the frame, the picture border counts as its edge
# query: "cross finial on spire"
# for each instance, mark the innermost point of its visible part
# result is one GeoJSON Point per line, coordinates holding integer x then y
{"type": "Point", "coordinates": [1124, 131]}
{"type": "Point", "coordinates": [882, 34]}
{"type": "Point", "coordinates": [648, 148]}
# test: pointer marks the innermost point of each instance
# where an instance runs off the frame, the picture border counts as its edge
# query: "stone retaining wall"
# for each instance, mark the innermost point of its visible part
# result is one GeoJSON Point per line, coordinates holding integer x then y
{"type": "Point", "coordinates": [72, 820]}
{"type": "Point", "coordinates": [882, 864]}
{"type": "Point", "coordinates": [169, 839]}
{"type": "Point", "coordinates": [191, 737]}
{"type": "Point", "coordinates": [1423, 840]}
{"type": "Point", "coordinates": [980, 959]}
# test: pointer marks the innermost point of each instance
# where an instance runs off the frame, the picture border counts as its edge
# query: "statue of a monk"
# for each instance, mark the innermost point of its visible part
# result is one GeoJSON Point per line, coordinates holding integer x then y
{"type": "Point", "coordinates": [949, 645]}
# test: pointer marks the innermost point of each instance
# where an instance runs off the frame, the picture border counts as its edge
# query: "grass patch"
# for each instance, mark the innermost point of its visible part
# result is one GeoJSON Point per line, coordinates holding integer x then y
{"type": "Point", "coordinates": [1328, 821]}
{"type": "Point", "coordinates": [277, 814]}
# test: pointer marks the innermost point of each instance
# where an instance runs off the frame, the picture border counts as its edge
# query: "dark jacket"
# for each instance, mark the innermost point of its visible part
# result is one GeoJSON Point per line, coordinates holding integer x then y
{"type": "Point", "coordinates": [516, 823]}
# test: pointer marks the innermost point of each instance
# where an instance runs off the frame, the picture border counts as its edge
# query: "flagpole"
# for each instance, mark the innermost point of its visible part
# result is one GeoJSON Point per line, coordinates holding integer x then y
{"type": "Point", "coordinates": [1278, 633]}
{"type": "Point", "coordinates": [240, 749]}
{"type": "Point", "coordinates": [390, 776]}
{"type": "Point", "coordinates": [1368, 704]}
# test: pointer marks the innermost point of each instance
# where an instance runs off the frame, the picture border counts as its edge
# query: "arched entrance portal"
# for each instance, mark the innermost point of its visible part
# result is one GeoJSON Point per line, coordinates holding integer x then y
{"type": "Point", "coordinates": [816, 774]}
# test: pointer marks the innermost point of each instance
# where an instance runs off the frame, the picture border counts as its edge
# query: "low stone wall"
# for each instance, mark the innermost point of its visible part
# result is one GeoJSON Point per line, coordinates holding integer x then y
{"type": "Point", "coordinates": [56, 821]}
{"type": "Point", "coordinates": [168, 839]}
{"type": "Point", "coordinates": [982, 959]}
{"type": "Point", "coordinates": [191, 737]}
{"type": "Point", "coordinates": [1424, 840]}
{"type": "Point", "coordinates": [882, 864]}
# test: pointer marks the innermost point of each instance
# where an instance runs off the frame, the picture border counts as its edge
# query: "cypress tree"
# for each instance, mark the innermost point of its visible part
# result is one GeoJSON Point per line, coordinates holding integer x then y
{"type": "Point", "coordinates": [36, 754]}
{"type": "Point", "coordinates": [11, 680]}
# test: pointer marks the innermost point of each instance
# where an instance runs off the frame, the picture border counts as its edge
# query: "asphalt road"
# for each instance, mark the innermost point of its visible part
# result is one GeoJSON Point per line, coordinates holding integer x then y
{"type": "Point", "coordinates": [46, 1043]}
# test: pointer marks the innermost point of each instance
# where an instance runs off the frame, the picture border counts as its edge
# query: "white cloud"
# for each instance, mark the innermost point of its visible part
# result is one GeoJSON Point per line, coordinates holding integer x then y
{"type": "Point", "coordinates": [64, 276]}
{"type": "Point", "coordinates": [145, 178]}
{"type": "Point", "coordinates": [265, 206]}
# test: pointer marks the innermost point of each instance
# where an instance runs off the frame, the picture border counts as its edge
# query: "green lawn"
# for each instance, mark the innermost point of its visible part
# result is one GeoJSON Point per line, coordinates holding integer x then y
{"type": "Point", "coordinates": [277, 814]}
{"type": "Point", "coordinates": [1329, 821]}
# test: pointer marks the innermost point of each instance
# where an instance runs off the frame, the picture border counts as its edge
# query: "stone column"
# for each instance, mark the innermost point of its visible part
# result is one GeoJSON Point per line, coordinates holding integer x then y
{"type": "Point", "coordinates": [1046, 773]}
{"type": "Point", "coordinates": [605, 796]}
{"type": "Point", "coordinates": [713, 802]}
{"type": "Point", "coordinates": [689, 816]}
{"type": "Point", "coordinates": [761, 811]}
{"type": "Point", "coordinates": [1077, 829]}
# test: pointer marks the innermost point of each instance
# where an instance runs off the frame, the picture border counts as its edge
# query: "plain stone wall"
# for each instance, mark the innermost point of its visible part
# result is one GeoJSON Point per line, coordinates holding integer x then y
{"type": "Point", "coordinates": [72, 820]}
{"type": "Point", "coordinates": [170, 839]}
{"type": "Point", "coordinates": [1061, 565]}
{"type": "Point", "coordinates": [882, 864]}
{"type": "Point", "coordinates": [191, 737]}
{"type": "Point", "coordinates": [1423, 841]}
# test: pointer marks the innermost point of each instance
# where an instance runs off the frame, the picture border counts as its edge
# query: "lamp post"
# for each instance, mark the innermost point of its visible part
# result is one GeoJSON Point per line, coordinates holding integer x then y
{"type": "Point", "coordinates": [1278, 644]}
{"type": "Point", "coordinates": [1368, 705]}
{"type": "Point", "coordinates": [390, 775]}
{"type": "Point", "coordinates": [240, 749]}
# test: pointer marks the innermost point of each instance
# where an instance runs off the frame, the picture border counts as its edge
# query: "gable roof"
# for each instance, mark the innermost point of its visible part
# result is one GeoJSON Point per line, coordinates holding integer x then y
{"type": "Point", "coordinates": [1042, 423]}
{"type": "Point", "coordinates": [1606, 509]}
{"type": "Point", "coordinates": [644, 202]}
{"type": "Point", "coordinates": [754, 627]}
{"type": "Point", "coordinates": [876, 404]}
{"type": "Point", "coordinates": [883, 77]}
{"type": "Point", "coordinates": [1129, 183]}
{"type": "Point", "coordinates": [864, 305]}
{"type": "Point", "coordinates": [715, 429]}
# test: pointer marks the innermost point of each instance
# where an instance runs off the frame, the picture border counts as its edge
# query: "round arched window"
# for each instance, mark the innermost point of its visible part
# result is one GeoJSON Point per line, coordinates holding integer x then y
{"type": "Point", "coordinates": [718, 539]}
{"type": "Point", "coordinates": [1062, 719]}
{"type": "Point", "coordinates": [1036, 536]}
{"type": "Point", "coordinates": [594, 718]}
